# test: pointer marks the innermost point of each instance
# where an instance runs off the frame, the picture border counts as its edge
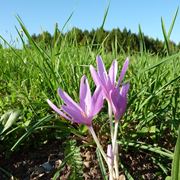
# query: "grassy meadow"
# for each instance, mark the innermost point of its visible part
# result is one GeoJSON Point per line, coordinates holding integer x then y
{"type": "Point", "coordinates": [147, 132]}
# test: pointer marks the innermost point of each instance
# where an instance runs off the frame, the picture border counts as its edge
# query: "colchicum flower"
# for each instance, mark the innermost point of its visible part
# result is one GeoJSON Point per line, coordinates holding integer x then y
{"type": "Point", "coordinates": [119, 100]}
{"type": "Point", "coordinates": [84, 111]}
{"type": "Point", "coordinates": [115, 94]}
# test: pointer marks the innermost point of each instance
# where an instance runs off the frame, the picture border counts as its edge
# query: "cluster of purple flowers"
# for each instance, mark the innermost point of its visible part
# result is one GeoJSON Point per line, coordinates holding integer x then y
{"type": "Point", "coordinates": [90, 104]}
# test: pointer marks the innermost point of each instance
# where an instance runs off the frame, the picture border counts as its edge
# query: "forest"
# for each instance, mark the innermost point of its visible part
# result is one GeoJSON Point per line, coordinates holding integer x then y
{"type": "Point", "coordinates": [116, 39]}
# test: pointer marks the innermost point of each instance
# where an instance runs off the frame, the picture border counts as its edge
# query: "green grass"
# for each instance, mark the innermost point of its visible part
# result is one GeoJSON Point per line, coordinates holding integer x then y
{"type": "Point", "coordinates": [31, 75]}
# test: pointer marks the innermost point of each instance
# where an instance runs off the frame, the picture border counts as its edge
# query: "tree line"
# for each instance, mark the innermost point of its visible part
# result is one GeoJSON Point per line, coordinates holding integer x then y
{"type": "Point", "coordinates": [116, 39]}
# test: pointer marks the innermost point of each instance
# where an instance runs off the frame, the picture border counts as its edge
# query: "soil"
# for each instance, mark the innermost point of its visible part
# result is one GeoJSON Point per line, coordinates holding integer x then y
{"type": "Point", "coordinates": [42, 163]}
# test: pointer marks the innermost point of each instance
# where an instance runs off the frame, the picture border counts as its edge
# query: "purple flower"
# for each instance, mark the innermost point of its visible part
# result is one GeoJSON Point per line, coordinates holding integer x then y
{"type": "Point", "coordinates": [119, 100]}
{"type": "Point", "coordinates": [113, 93]}
{"type": "Point", "coordinates": [84, 111]}
{"type": "Point", "coordinates": [106, 81]}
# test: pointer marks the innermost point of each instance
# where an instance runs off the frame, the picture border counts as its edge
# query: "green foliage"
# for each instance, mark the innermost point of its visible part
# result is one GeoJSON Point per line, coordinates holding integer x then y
{"type": "Point", "coordinates": [154, 149]}
{"type": "Point", "coordinates": [74, 160]}
{"type": "Point", "coordinates": [105, 15]}
{"type": "Point", "coordinates": [7, 120]}
{"type": "Point", "coordinates": [175, 169]}
{"type": "Point", "coordinates": [30, 129]}
{"type": "Point", "coordinates": [112, 41]}
{"type": "Point", "coordinates": [6, 173]}
{"type": "Point", "coordinates": [141, 40]}
{"type": "Point", "coordinates": [121, 41]}
{"type": "Point", "coordinates": [30, 75]}
{"type": "Point", "coordinates": [101, 165]}
{"type": "Point", "coordinates": [167, 36]}
{"type": "Point", "coordinates": [175, 173]}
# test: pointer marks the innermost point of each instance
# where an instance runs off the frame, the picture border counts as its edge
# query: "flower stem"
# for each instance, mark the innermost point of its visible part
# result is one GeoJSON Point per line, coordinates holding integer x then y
{"type": "Point", "coordinates": [110, 120]}
{"type": "Point", "coordinates": [98, 144]}
{"type": "Point", "coordinates": [110, 157]}
{"type": "Point", "coordinates": [115, 135]}
{"type": "Point", "coordinates": [111, 172]}
{"type": "Point", "coordinates": [115, 149]}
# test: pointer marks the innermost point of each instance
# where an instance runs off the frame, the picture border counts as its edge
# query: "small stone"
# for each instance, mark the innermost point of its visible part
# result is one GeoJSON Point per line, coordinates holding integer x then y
{"type": "Point", "coordinates": [58, 163]}
{"type": "Point", "coordinates": [86, 164]}
{"type": "Point", "coordinates": [47, 166]}
{"type": "Point", "coordinates": [121, 177]}
{"type": "Point", "coordinates": [88, 155]}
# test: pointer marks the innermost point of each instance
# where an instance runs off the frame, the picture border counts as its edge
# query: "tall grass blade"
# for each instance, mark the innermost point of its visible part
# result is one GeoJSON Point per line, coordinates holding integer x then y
{"type": "Point", "coordinates": [7, 173]}
{"type": "Point", "coordinates": [172, 24]}
{"type": "Point", "coordinates": [165, 36]}
{"type": "Point", "coordinates": [67, 21]}
{"type": "Point", "coordinates": [175, 174]}
{"type": "Point", "coordinates": [22, 40]}
{"type": "Point", "coordinates": [148, 147]}
{"type": "Point", "coordinates": [105, 15]}
{"type": "Point", "coordinates": [166, 59]}
{"type": "Point", "coordinates": [101, 165]}
{"type": "Point", "coordinates": [31, 129]}
{"type": "Point", "coordinates": [126, 172]}
{"type": "Point", "coordinates": [41, 51]}
{"type": "Point", "coordinates": [13, 49]}
{"type": "Point", "coordinates": [142, 43]}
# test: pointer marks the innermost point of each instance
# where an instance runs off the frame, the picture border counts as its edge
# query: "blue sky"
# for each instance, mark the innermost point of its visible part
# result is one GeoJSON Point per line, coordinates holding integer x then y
{"type": "Point", "coordinates": [39, 15]}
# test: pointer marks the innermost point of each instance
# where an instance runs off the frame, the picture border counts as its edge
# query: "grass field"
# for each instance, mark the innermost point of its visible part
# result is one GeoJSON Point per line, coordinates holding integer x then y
{"type": "Point", "coordinates": [147, 133]}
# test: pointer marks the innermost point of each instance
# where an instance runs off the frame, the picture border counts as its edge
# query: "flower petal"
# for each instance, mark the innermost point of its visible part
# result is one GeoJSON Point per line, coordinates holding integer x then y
{"type": "Point", "coordinates": [95, 76]}
{"type": "Point", "coordinates": [109, 86]}
{"type": "Point", "coordinates": [124, 89]}
{"type": "Point", "coordinates": [118, 103]}
{"type": "Point", "coordinates": [68, 100]}
{"type": "Point", "coordinates": [77, 116]}
{"type": "Point", "coordinates": [101, 70]}
{"type": "Point", "coordinates": [97, 101]}
{"type": "Point", "coordinates": [123, 71]}
{"type": "Point", "coordinates": [113, 72]}
{"type": "Point", "coordinates": [85, 95]}
{"type": "Point", "coordinates": [98, 81]}
{"type": "Point", "coordinates": [56, 109]}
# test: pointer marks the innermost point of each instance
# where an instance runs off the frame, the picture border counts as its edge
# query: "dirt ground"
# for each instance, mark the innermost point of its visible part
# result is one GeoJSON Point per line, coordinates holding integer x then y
{"type": "Point", "coordinates": [42, 162]}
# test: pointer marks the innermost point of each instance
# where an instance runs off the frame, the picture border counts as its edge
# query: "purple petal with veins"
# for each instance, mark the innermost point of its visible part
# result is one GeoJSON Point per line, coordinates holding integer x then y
{"type": "Point", "coordinates": [97, 101]}
{"type": "Point", "coordinates": [56, 109]}
{"type": "Point", "coordinates": [113, 93]}
{"type": "Point", "coordinates": [77, 116]}
{"type": "Point", "coordinates": [119, 102]}
{"type": "Point", "coordinates": [124, 89]}
{"type": "Point", "coordinates": [113, 72]}
{"type": "Point", "coordinates": [95, 76]}
{"type": "Point", "coordinates": [101, 70]}
{"type": "Point", "coordinates": [80, 113]}
{"type": "Point", "coordinates": [68, 100]}
{"type": "Point", "coordinates": [123, 71]}
{"type": "Point", "coordinates": [85, 94]}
